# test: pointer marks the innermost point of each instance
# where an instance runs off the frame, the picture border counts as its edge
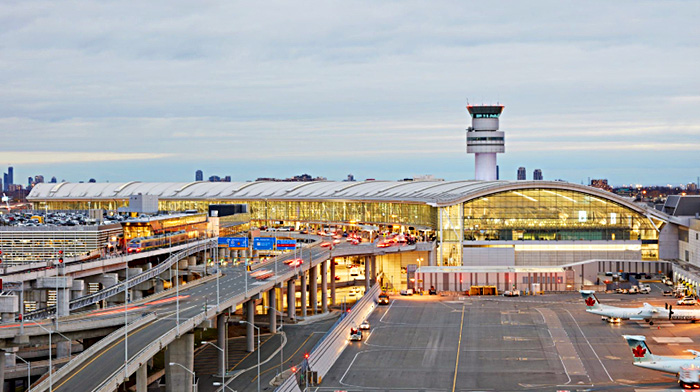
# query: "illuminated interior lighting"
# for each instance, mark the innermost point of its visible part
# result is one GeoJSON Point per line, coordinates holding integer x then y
{"type": "Point", "coordinates": [560, 195]}
{"type": "Point", "coordinates": [527, 197]}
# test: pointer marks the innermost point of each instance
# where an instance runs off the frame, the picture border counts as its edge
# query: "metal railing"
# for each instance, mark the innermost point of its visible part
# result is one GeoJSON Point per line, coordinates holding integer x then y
{"type": "Point", "coordinates": [113, 290]}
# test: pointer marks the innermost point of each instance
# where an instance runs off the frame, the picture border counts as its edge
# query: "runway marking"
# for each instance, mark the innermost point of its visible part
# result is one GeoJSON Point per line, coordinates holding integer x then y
{"type": "Point", "coordinates": [101, 353]}
{"type": "Point", "coordinates": [590, 345]}
{"type": "Point", "coordinates": [381, 320]}
{"type": "Point", "coordinates": [670, 339]}
{"type": "Point", "coordinates": [459, 345]}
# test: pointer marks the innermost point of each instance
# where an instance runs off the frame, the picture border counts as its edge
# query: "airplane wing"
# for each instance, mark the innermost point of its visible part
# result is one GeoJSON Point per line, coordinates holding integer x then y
{"type": "Point", "coordinates": [651, 308]}
{"type": "Point", "coordinates": [696, 353]}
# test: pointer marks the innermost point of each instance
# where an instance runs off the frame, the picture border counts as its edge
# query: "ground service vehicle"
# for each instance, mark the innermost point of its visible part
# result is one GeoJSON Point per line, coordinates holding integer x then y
{"type": "Point", "coordinates": [432, 291]}
{"type": "Point", "coordinates": [355, 334]}
{"type": "Point", "coordinates": [689, 377]}
{"type": "Point", "coordinates": [687, 301]}
{"type": "Point", "coordinates": [383, 299]}
{"type": "Point", "coordinates": [406, 292]}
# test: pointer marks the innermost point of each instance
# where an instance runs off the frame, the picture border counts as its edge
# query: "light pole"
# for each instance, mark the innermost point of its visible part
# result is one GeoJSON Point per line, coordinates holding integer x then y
{"type": "Point", "coordinates": [281, 327]}
{"type": "Point", "coordinates": [246, 322]}
{"type": "Point", "coordinates": [50, 354]}
{"type": "Point", "coordinates": [194, 376]}
{"type": "Point", "coordinates": [29, 372]}
{"type": "Point", "coordinates": [126, 324]}
{"type": "Point", "coordinates": [223, 366]}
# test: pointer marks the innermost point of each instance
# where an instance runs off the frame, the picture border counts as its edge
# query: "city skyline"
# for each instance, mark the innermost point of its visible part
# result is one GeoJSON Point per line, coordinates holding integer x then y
{"type": "Point", "coordinates": [348, 89]}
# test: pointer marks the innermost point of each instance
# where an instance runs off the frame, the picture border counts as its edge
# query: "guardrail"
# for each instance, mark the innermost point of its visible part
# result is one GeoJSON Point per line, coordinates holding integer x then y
{"type": "Point", "coordinates": [113, 290]}
{"type": "Point", "coordinates": [99, 346]}
{"type": "Point", "coordinates": [328, 349]}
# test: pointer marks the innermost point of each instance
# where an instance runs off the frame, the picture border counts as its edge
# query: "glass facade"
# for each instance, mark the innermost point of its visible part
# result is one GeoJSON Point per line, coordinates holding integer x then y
{"type": "Point", "coordinates": [556, 215]}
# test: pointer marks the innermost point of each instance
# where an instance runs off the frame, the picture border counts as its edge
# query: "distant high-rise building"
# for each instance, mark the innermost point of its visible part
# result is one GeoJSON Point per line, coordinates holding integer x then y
{"type": "Point", "coordinates": [692, 187]}
{"type": "Point", "coordinates": [214, 179]}
{"type": "Point", "coordinates": [38, 179]}
{"type": "Point", "coordinates": [601, 183]}
{"type": "Point", "coordinates": [537, 175]}
{"type": "Point", "coordinates": [30, 181]}
{"type": "Point", "coordinates": [522, 175]}
{"type": "Point", "coordinates": [198, 175]}
{"type": "Point", "coordinates": [92, 180]}
{"type": "Point", "coordinates": [350, 178]}
{"type": "Point", "coordinates": [10, 176]}
{"type": "Point", "coordinates": [226, 179]}
{"type": "Point", "coordinates": [53, 179]}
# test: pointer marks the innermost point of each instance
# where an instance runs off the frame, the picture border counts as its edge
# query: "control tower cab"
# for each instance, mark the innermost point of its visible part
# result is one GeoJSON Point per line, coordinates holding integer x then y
{"type": "Point", "coordinates": [485, 140]}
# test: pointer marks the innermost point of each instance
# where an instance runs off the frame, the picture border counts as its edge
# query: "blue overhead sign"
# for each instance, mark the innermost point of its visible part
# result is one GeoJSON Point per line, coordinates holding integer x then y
{"type": "Point", "coordinates": [234, 242]}
{"type": "Point", "coordinates": [263, 243]}
{"type": "Point", "coordinates": [286, 244]}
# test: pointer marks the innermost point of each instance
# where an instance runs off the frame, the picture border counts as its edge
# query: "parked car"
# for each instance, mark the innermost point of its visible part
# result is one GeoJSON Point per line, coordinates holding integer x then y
{"type": "Point", "coordinates": [687, 301]}
{"type": "Point", "coordinates": [668, 293]}
{"type": "Point", "coordinates": [364, 325]}
{"type": "Point", "coordinates": [406, 292]}
{"type": "Point", "coordinates": [513, 293]}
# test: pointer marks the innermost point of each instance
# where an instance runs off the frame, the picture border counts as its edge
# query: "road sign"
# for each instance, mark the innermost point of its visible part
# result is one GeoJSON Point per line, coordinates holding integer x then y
{"type": "Point", "coordinates": [263, 243]}
{"type": "Point", "coordinates": [286, 244]}
{"type": "Point", "coordinates": [234, 242]}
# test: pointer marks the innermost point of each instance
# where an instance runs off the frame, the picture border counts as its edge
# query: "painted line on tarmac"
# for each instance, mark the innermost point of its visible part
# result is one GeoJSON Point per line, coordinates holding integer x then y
{"type": "Point", "coordinates": [590, 345]}
{"type": "Point", "coordinates": [459, 346]}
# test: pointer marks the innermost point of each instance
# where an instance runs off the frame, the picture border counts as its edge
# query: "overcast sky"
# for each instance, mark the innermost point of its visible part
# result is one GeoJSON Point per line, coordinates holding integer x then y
{"type": "Point", "coordinates": [154, 90]}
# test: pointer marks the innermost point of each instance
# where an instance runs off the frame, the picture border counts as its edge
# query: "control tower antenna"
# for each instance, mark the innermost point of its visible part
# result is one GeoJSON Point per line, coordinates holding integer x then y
{"type": "Point", "coordinates": [484, 140]}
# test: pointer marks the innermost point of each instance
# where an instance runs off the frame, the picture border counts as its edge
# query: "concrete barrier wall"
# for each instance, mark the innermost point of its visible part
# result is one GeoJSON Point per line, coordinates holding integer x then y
{"type": "Point", "coordinates": [324, 355]}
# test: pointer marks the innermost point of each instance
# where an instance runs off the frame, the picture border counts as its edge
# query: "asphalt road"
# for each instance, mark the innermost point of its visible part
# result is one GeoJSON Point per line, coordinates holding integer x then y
{"type": "Point", "coordinates": [193, 299]}
{"type": "Point", "coordinates": [543, 343]}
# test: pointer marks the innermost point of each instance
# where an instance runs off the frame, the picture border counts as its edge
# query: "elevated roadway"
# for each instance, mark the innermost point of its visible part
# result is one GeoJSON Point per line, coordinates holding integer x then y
{"type": "Point", "coordinates": [104, 370]}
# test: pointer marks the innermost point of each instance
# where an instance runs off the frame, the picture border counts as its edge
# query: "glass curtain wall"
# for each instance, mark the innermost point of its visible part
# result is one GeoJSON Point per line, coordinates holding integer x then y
{"type": "Point", "coordinates": [450, 234]}
{"type": "Point", "coordinates": [556, 215]}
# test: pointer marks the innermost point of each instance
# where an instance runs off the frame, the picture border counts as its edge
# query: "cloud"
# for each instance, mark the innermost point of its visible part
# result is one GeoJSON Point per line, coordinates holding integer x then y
{"type": "Point", "coordinates": [53, 157]}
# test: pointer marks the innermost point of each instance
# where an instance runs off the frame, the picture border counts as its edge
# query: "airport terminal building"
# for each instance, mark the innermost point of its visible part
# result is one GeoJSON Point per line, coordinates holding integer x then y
{"type": "Point", "coordinates": [476, 223]}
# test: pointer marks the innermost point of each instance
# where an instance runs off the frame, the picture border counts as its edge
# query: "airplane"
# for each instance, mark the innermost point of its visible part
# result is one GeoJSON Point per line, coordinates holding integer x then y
{"type": "Point", "coordinates": [644, 358]}
{"type": "Point", "coordinates": [614, 314]}
{"type": "Point", "coordinates": [691, 315]}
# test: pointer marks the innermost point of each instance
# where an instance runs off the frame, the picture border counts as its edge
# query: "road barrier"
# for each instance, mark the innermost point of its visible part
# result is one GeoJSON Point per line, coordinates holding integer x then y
{"type": "Point", "coordinates": [328, 349]}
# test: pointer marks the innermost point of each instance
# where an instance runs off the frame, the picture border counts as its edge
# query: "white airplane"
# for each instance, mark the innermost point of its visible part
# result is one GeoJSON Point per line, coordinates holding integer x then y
{"type": "Point", "coordinates": [691, 315]}
{"type": "Point", "coordinates": [644, 358]}
{"type": "Point", "coordinates": [615, 314]}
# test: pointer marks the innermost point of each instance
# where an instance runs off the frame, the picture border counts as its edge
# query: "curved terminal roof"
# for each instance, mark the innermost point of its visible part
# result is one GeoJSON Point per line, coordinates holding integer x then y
{"type": "Point", "coordinates": [436, 193]}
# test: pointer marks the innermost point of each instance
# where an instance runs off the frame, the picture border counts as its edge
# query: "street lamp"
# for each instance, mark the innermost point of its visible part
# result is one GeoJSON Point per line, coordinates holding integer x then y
{"type": "Point", "coordinates": [281, 327]}
{"type": "Point", "coordinates": [29, 372]}
{"type": "Point", "coordinates": [194, 376]}
{"type": "Point", "coordinates": [246, 322]}
{"type": "Point", "coordinates": [50, 354]}
{"type": "Point", "coordinates": [223, 366]}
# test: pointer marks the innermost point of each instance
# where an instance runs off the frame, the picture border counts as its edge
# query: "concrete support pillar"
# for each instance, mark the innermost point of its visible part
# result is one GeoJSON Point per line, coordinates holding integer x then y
{"type": "Point", "coordinates": [192, 261]}
{"type": "Point", "coordinates": [291, 300]}
{"type": "Point", "coordinates": [324, 286]}
{"type": "Point", "coordinates": [373, 268]}
{"type": "Point", "coordinates": [142, 379]}
{"type": "Point", "coordinates": [368, 263]}
{"type": "Point", "coordinates": [303, 293]}
{"type": "Point", "coordinates": [63, 348]}
{"type": "Point", "coordinates": [221, 341]}
{"type": "Point", "coordinates": [180, 351]}
{"type": "Point", "coordinates": [272, 295]}
{"type": "Point", "coordinates": [332, 282]}
{"type": "Point", "coordinates": [250, 331]}
{"type": "Point", "coordinates": [313, 291]}
{"type": "Point", "coordinates": [2, 370]}
{"type": "Point", "coordinates": [157, 285]}
{"type": "Point", "coordinates": [63, 300]}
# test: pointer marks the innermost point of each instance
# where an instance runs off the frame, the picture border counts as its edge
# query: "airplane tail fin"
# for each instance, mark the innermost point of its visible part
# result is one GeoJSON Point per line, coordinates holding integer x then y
{"type": "Point", "coordinates": [590, 299]}
{"type": "Point", "coordinates": [639, 348]}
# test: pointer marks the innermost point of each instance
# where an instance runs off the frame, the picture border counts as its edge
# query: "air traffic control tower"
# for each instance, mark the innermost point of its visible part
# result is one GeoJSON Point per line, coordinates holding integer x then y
{"type": "Point", "coordinates": [485, 140]}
